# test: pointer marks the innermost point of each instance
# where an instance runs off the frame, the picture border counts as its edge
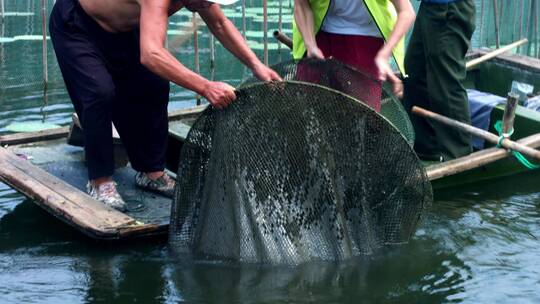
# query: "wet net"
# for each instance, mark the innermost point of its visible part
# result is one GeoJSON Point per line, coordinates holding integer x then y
{"type": "Point", "coordinates": [334, 74]}
{"type": "Point", "coordinates": [292, 172]}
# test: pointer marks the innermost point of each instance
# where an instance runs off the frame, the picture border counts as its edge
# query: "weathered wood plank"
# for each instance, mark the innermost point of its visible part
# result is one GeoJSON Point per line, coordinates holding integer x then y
{"type": "Point", "coordinates": [68, 203]}
{"type": "Point", "coordinates": [187, 113]}
{"type": "Point", "coordinates": [23, 138]}
{"type": "Point", "coordinates": [476, 160]}
{"type": "Point", "coordinates": [56, 133]}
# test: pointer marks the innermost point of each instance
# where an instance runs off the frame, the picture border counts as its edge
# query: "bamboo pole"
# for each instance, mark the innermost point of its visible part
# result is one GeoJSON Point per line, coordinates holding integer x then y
{"type": "Point", "coordinates": [494, 53]}
{"type": "Point", "coordinates": [2, 8]}
{"type": "Point", "coordinates": [506, 143]}
{"type": "Point", "coordinates": [521, 22]}
{"type": "Point", "coordinates": [529, 26]}
{"type": "Point", "coordinates": [212, 56]}
{"type": "Point", "coordinates": [496, 17]}
{"type": "Point", "coordinates": [196, 49]}
{"type": "Point", "coordinates": [280, 25]}
{"type": "Point", "coordinates": [244, 19]}
{"type": "Point", "coordinates": [514, 17]}
{"type": "Point", "coordinates": [265, 29]}
{"type": "Point", "coordinates": [536, 29]}
{"type": "Point", "coordinates": [480, 35]}
{"type": "Point", "coordinates": [44, 46]}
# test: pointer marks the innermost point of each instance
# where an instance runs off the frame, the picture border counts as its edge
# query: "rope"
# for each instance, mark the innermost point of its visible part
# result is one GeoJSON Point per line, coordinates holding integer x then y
{"type": "Point", "coordinates": [522, 159]}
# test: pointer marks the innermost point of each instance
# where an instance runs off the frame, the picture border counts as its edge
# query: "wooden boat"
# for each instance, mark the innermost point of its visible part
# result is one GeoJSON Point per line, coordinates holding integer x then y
{"type": "Point", "coordinates": [46, 169]}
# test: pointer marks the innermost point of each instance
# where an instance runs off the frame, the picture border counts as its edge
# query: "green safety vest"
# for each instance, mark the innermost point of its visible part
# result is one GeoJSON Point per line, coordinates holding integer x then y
{"type": "Point", "coordinates": [383, 13]}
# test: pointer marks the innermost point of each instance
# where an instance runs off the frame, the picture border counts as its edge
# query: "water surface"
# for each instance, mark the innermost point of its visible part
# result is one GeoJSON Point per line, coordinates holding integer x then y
{"type": "Point", "coordinates": [478, 244]}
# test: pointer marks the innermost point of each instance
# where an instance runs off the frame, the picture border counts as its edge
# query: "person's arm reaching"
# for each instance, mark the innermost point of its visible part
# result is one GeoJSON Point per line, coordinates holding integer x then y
{"type": "Point", "coordinates": [303, 16]}
{"type": "Point", "coordinates": [405, 18]}
{"type": "Point", "coordinates": [154, 56]}
{"type": "Point", "coordinates": [225, 31]}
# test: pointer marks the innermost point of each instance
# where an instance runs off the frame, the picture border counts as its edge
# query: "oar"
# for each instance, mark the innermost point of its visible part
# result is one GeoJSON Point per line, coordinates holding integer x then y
{"type": "Point", "coordinates": [504, 142]}
{"type": "Point", "coordinates": [471, 64]}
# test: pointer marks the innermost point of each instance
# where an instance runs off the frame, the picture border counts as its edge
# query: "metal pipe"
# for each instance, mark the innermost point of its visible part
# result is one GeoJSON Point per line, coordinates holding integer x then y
{"type": "Point", "coordinates": [509, 114]}
{"type": "Point", "coordinates": [496, 17]}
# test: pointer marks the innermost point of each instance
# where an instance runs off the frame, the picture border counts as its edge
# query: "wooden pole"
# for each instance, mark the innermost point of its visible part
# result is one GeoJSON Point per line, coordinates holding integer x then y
{"type": "Point", "coordinates": [212, 56]}
{"type": "Point", "coordinates": [509, 114]}
{"type": "Point", "coordinates": [244, 18]}
{"type": "Point", "coordinates": [494, 53]}
{"type": "Point", "coordinates": [44, 47]}
{"type": "Point", "coordinates": [265, 29]}
{"type": "Point", "coordinates": [283, 39]}
{"type": "Point", "coordinates": [521, 22]}
{"type": "Point", "coordinates": [496, 17]}
{"type": "Point", "coordinates": [2, 7]}
{"type": "Point", "coordinates": [196, 49]}
{"type": "Point", "coordinates": [482, 8]}
{"type": "Point", "coordinates": [506, 143]}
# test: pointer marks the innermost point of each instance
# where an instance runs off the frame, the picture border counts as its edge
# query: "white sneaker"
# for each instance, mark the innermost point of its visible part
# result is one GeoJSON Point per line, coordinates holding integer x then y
{"type": "Point", "coordinates": [107, 194]}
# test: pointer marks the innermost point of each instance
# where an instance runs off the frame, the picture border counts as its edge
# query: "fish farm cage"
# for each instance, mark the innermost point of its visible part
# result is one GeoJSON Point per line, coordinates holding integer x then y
{"type": "Point", "coordinates": [28, 68]}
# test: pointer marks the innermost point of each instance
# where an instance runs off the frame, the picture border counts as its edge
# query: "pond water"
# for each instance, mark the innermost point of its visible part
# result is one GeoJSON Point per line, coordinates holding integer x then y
{"type": "Point", "coordinates": [477, 244]}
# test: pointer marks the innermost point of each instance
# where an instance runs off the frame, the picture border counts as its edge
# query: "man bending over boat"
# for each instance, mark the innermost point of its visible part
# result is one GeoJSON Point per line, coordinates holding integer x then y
{"type": "Point", "coordinates": [116, 68]}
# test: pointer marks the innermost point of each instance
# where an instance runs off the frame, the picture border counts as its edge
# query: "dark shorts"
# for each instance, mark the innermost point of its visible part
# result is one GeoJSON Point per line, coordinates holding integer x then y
{"type": "Point", "coordinates": [107, 83]}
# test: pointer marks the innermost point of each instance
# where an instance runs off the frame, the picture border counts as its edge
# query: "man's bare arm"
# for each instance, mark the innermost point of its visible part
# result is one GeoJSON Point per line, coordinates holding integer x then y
{"type": "Point", "coordinates": [153, 28]}
{"type": "Point", "coordinates": [303, 17]}
{"type": "Point", "coordinates": [225, 31]}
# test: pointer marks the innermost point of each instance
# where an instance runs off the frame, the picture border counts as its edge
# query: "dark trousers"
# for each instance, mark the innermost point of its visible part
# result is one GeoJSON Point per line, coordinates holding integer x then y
{"type": "Point", "coordinates": [435, 63]}
{"type": "Point", "coordinates": [107, 83]}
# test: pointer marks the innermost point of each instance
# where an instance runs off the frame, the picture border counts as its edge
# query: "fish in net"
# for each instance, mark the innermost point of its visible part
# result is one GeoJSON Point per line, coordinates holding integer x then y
{"type": "Point", "coordinates": [336, 75]}
{"type": "Point", "coordinates": [293, 172]}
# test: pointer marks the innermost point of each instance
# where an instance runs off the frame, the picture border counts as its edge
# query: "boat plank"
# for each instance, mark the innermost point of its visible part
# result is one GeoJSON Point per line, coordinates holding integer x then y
{"type": "Point", "coordinates": [22, 138]}
{"type": "Point", "coordinates": [476, 159]}
{"type": "Point", "coordinates": [67, 202]}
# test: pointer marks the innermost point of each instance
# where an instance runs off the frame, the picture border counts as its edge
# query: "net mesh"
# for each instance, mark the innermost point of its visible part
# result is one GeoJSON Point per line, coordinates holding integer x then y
{"type": "Point", "coordinates": [293, 172]}
{"type": "Point", "coordinates": [333, 74]}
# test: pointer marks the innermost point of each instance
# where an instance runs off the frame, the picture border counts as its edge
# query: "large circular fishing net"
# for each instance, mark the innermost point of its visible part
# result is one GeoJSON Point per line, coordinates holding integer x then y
{"type": "Point", "coordinates": [336, 75]}
{"type": "Point", "coordinates": [291, 172]}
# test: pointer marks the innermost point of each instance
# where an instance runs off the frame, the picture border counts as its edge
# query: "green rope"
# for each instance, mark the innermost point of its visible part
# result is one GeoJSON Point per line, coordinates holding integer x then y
{"type": "Point", "coordinates": [522, 159]}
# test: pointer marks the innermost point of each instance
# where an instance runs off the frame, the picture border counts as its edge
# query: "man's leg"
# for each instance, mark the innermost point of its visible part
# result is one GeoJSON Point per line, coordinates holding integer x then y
{"type": "Point", "coordinates": [416, 92]}
{"type": "Point", "coordinates": [453, 25]}
{"type": "Point", "coordinates": [89, 85]}
{"type": "Point", "coordinates": [141, 118]}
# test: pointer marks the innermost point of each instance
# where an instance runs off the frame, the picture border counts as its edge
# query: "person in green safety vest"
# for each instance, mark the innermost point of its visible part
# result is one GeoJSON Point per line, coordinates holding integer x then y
{"type": "Point", "coordinates": [362, 33]}
{"type": "Point", "coordinates": [435, 62]}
